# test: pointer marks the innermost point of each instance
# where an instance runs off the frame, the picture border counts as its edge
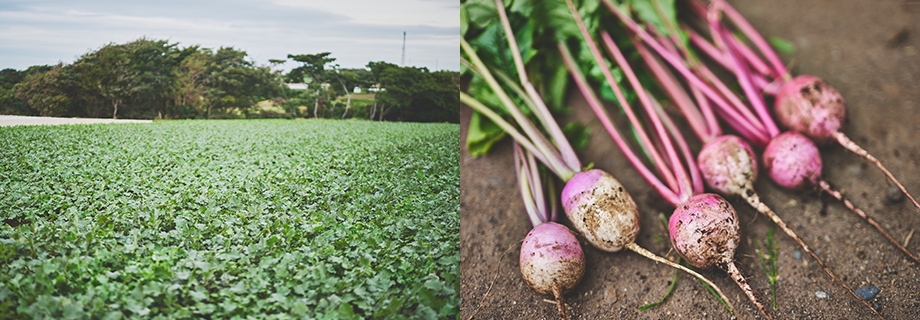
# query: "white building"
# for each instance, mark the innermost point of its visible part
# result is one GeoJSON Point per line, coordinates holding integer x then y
{"type": "Point", "coordinates": [297, 86]}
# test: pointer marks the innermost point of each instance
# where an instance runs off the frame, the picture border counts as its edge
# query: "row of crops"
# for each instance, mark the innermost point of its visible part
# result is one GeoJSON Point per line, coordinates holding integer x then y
{"type": "Point", "coordinates": [229, 219]}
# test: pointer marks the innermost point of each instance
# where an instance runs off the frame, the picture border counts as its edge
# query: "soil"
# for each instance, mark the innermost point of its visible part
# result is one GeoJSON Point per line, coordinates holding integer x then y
{"type": "Point", "coordinates": [870, 51]}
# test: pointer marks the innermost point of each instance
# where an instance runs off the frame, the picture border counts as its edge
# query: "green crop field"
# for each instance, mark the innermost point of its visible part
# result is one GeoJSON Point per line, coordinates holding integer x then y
{"type": "Point", "coordinates": [230, 219]}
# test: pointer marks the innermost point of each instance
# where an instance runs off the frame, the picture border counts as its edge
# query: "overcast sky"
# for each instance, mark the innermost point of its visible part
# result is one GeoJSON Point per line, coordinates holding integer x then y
{"type": "Point", "coordinates": [40, 32]}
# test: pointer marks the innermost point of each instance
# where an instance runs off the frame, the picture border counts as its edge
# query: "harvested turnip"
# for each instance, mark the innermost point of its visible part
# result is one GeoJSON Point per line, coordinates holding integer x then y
{"type": "Point", "coordinates": [602, 209]}
{"type": "Point", "coordinates": [597, 204]}
{"type": "Point", "coordinates": [809, 105]}
{"type": "Point", "coordinates": [730, 167]}
{"type": "Point", "coordinates": [705, 231]}
{"type": "Point", "coordinates": [793, 161]}
{"type": "Point", "coordinates": [552, 261]}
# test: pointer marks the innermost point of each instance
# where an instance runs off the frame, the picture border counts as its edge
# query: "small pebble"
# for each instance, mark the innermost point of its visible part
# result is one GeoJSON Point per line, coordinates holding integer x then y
{"type": "Point", "coordinates": [797, 254]}
{"type": "Point", "coordinates": [494, 181]}
{"type": "Point", "coordinates": [821, 294]}
{"type": "Point", "coordinates": [867, 292]}
{"type": "Point", "coordinates": [894, 195]}
{"type": "Point", "coordinates": [854, 170]}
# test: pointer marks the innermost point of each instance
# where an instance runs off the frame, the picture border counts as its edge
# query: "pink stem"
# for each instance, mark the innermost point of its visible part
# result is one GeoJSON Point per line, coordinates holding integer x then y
{"type": "Point", "coordinates": [564, 148]}
{"type": "Point", "coordinates": [522, 171]}
{"type": "Point", "coordinates": [744, 79]}
{"type": "Point", "coordinates": [735, 101]}
{"type": "Point", "coordinates": [720, 57]}
{"type": "Point", "coordinates": [755, 38]}
{"type": "Point", "coordinates": [709, 49]}
{"type": "Point", "coordinates": [645, 98]}
{"type": "Point", "coordinates": [708, 114]}
{"type": "Point", "coordinates": [737, 120]}
{"type": "Point", "coordinates": [749, 55]}
{"type": "Point", "coordinates": [657, 159]}
{"type": "Point", "coordinates": [536, 186]}
{"type": "Point", "coordinates": [678, 95]}
{"type": "Point", "coordinates": [697, 182]}
{"type": "Point", "coordinates": [601, 113]}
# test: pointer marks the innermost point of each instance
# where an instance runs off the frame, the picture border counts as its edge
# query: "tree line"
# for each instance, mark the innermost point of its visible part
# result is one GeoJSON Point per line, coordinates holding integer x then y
{"type": "Point", "coordinates": [156, 79]}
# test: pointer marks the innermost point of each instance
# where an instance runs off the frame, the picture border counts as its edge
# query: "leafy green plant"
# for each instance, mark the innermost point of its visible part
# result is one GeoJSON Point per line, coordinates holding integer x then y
{"type": "Point", "coordinates": [230, 219]}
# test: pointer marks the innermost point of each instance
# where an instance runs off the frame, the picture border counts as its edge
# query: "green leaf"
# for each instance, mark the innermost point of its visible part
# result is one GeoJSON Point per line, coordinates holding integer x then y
{"type": "Point", "coordinates": [481, 13]}
{"type": "Point", "coordinates": [481, 135]}
{"type": "Point", "coordinates": [782, 45]}
{"type": "Point", "coordinates": [577, 134]}
{"type": "Point", "coordinates": [666, 294]}
{"type": "Point", "coordinates": [198, 295]}
{"type": "Point", "coordinates": [434, 284]}
{"type": "Point", "coordinates": [346, 311]}
{"type": "Point", "coordinates": [648, 12]}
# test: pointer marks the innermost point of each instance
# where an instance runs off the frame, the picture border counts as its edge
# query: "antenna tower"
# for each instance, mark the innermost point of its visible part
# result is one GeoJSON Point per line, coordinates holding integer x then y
{"type": "Point", "coordinates": [402, 62]}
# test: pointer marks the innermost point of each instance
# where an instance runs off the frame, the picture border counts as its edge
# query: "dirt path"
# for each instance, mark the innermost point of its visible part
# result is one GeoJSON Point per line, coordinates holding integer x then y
{"type": "Point", "coordinates": [862, 48]}
{"type": "Point", "coordinates": [6, 121]}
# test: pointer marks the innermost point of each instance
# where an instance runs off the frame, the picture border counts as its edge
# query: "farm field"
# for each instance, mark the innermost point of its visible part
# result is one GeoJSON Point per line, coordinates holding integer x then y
{"type": "Point", "coordinates": [230, 219]}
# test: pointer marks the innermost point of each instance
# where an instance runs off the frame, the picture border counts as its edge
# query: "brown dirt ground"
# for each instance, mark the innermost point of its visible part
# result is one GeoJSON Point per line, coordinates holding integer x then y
{"type": "Point", "coordinates": [869, 50]}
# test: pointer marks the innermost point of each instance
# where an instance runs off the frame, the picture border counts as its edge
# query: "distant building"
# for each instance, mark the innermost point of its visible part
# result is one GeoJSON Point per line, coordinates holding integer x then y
{"type": "Point", "coordinates": [297, 86]}
{"type": "Point", "coordinates": [376, 88]}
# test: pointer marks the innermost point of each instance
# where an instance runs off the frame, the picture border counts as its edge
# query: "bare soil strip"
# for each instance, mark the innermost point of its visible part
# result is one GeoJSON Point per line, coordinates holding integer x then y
{"type": "Point", "coordinates": [6, 121]}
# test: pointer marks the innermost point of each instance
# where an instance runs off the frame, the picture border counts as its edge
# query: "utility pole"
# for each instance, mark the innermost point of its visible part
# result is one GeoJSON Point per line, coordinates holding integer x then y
{"type": "Point", "coordinates": [402, 63]}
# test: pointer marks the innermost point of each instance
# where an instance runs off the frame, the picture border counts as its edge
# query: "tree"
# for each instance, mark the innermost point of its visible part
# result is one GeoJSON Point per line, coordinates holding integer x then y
{"type": "Point", "coordinates": [415, 94]}
{"type": "Point", "coordinates": [234, 82]}
{"type": "Point", "coordinates": [314, 66]}
{"type": "Point", "coordinates": [9, 104]}
{"type": "Point", "coordinates": [189, 85]}
{"type": "Point", "coordinates": [107, 73]}
{"type": "Point", "coordinates": [153, 62]}
{"type": "Point", "coordinates": [348, 79]}
{"type": "Point", "coordinates": [44, 92]}
{"type": "Point", "coordinates": [400, 86]}
{"type": "Point", "coordinates": [377, 69]}
{"type": "Point", "coordinates": [435, 98]}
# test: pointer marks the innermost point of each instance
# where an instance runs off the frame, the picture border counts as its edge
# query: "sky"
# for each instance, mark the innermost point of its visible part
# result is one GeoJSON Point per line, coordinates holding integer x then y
{"type": "Point", "coordinates": [355, 32]}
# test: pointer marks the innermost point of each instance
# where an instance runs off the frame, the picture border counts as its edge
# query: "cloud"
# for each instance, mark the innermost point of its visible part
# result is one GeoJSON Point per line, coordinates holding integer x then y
{"type": "Point", "coordinates": [439, 13]}
{"type": "Point", "coordinates": [355, 32]}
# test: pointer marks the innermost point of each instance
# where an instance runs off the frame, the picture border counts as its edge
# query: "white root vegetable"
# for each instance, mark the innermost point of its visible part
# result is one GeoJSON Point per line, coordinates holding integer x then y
{"type": "Point", "coordinates": [604, 212]}
{"type": "Point", "coordinates": [599, 207]}
{"type": "Point", "coordinates": [552, 261]}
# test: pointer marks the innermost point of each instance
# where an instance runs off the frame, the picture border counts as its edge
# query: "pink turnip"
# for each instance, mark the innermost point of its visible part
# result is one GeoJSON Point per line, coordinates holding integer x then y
{"type": "Point", "coordinates": [597, 204]}
{"type": "Point", "coordinates": [604, 212]}
{"type": "Point", "coordinates": [705, 231]}
{"type": "Point", "coordinates": [793, 161]}
{"type": "Point", "coordinates": [552, 261]}
{"type": "Point", "coordinates": [729, 166]}
{"type": "Point", "coordinates": [809, 105]}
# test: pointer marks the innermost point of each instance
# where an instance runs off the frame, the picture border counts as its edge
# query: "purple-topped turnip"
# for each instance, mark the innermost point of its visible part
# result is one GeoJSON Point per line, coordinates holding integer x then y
{"type": "Point", "coordinates": [596, 203]}
{"type": "Point", "coordinates": [552, 261]}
